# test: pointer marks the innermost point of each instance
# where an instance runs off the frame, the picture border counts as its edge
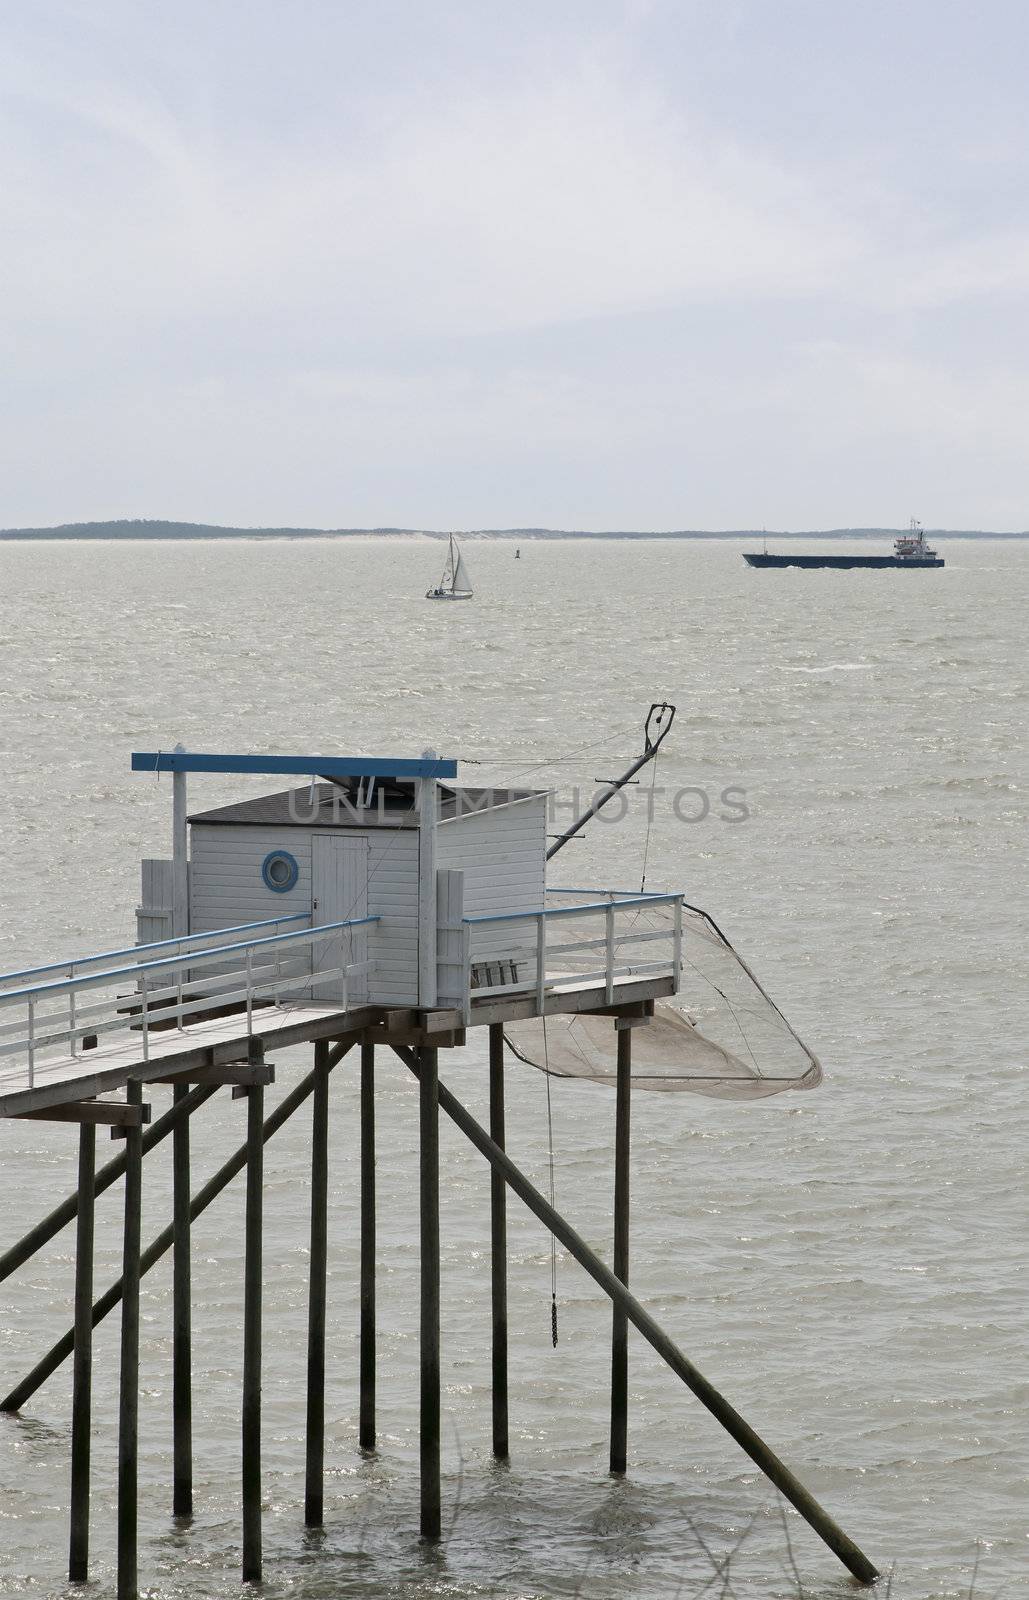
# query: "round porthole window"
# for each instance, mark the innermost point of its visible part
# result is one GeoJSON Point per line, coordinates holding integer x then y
{"type": "Point", "coordinates": [280, 871]}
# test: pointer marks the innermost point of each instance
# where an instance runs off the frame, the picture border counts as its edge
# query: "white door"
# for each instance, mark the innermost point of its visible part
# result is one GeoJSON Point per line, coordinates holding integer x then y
{"type": "Point", "coordinates": [339, 890]}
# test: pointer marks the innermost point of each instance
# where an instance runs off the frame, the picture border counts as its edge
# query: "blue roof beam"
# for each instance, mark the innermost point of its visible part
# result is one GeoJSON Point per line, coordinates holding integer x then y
{"type": "Point", "coordinates": [298, 766]}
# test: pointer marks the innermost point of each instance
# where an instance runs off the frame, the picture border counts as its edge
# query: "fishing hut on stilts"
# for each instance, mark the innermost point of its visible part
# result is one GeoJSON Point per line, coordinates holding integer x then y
{"type": "Point", "coordinates": [381, 905]}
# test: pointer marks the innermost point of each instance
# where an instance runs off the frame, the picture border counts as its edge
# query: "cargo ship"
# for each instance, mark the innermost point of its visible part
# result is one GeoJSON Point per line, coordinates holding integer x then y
{"type": "Point", "coordinates": [909, 550]}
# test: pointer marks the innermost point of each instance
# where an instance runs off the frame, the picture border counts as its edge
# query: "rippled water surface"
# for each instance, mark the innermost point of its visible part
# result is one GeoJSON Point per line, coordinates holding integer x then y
{"type": "Point", "coordinates": [846, 1265]}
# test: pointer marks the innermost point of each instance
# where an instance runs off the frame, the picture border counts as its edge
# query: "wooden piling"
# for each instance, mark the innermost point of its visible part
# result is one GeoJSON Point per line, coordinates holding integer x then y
{"type": "Point", "coordinates": [182, 1333]}
{"type": "Point", "coordinates": [366, 1424]}
{"type": "Point", "coordinates": [59, 1352]}
{"type": "Point", "coordinates": [428, 1078]}
{"type": "Point", "coordinates": [498, 1246]}
{"type": "Point", "coordinates": [51, 1225]}
{"type": "Point", "coordinates": [751, 1442]}
{"type": "Point", "coordinates": [82, 1373]}
{"type": "Point", "coordinates": [315, 1466]}
{"type": "Point", "coordinates": [619, 1320]}
{"type": "Point", "coordinates": [128, 1401]}
{"type": "Point", "coordinates": [252, 1275]}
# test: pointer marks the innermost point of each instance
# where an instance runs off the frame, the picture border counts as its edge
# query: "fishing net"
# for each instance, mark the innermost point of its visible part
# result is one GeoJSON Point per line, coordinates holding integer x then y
{"type": "Point", "coordinates": [721, 1035]}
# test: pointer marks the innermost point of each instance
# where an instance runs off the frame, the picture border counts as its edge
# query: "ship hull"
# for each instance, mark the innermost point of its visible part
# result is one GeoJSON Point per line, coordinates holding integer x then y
{"type": "Point", "coordinates": [840, 563]}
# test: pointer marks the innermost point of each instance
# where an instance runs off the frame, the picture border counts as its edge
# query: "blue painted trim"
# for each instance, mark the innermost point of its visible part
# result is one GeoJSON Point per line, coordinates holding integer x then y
{"type": "Point", "coordinates": [266, 871]}
{"type": "Point", "coordinates": [155, 944]}
{"type": "Point", "coordinates": [302, 766]}
{"type": "Point", "coordinates": [576, 911]}
{"type": "Point", "coordinates": [187, 958]}
{"type": "Point", "coordinates": [633, 894]}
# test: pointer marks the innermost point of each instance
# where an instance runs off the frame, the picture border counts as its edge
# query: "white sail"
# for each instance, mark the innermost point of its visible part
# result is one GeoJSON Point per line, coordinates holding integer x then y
{"type": "Point", "coordinates": [461, 578]}
{"type": "Point", "coordinates": [455, 583]}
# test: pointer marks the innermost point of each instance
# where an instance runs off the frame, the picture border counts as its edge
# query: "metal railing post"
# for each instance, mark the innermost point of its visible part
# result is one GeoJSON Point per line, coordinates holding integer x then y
{"type": "Point", "coordinates": [71, 1010]}
{"type": "Point", "coordinates": [677, 946]}
{"type": "Point", "coordinates": [541, 959]}
{"type": "Point", "coordinates": [609, 961]}
{"type": "Point", "coordinates": [145, 1015]}
{"type": "Point", "coordinates": [32, 1041]}
{"type": "Point", "coordinates": [466, 963]}
{"type": "Point", "coordinates": [250, 992]}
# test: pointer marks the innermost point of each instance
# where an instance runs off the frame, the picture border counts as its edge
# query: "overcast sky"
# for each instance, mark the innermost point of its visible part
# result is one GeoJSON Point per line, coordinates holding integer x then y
{"type": "Point", "coordinates": [462, 263]}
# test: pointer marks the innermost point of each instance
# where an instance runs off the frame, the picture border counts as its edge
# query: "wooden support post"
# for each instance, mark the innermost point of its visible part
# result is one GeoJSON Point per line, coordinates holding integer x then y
{"type": "Point", "coordinates": [498, 1246]}
{"type": "Point", "coordinates": [315, 1466]}
{"type": "Point", "coordinates": [82, 1376]}
{"type": "Point", "coordinates": [366, 1427]}
{"type": "Point", "coordinates": [751, 1442]}
{"type": "Point", "coordinates": [619, 1320]}
{"type": "Point", "coordinates": [128, 1402]}
{"type": "Point", "coordinates": [252, 1274]}
{"type": "Point", "coordinates": [182, 1333]}
{"type": "Point", "coordinates": [428, 1070]}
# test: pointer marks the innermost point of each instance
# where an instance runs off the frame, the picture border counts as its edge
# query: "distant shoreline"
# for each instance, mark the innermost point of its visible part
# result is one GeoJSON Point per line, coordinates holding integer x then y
{"type": "Point", "coordinates": [147, 529]}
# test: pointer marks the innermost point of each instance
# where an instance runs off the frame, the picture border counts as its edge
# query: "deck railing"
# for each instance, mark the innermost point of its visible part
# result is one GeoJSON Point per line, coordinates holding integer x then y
{"type": "Point", "coordinates": [67, 1014]}
{"type": "Point", "coordinates": [79, 965]}
{"type": "Point", "coordinates": [510, 953]}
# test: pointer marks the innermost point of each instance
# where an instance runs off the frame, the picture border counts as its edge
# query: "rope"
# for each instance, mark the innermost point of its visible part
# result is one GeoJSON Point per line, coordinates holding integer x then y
{"type": "Point", "coordinates": [650, 820]}
{"type": "Point", "coordinates": [551, 1196]}
{"type": "Point", "coordinates": [566, 756]}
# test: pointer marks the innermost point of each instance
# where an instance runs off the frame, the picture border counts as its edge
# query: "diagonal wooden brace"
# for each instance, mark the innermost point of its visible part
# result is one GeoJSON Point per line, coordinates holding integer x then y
{"type": "Point", "coordinates": [59, 1352]}
{"type": "Point", "coordinates": [750, 1441]}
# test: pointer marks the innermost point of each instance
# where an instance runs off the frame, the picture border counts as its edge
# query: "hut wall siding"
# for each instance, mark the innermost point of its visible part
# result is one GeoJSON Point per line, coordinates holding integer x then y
{"type": "Point", "coordinates": [154, 912]}
{"type": "Point", "coordinates": [227, 888]}
{"type": "Point", "coordinates": [393, 896]}
{"type": "Point", "coordinates": [502, 854]}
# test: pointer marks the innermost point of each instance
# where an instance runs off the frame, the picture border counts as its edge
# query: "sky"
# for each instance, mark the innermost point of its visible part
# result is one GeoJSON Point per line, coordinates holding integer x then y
{"type": "Point", "coordinates": [583, 263]}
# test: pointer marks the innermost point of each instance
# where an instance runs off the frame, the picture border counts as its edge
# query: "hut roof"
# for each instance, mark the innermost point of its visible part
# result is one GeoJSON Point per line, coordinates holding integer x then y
{"type": "Point", "coordinates": [329, 805]}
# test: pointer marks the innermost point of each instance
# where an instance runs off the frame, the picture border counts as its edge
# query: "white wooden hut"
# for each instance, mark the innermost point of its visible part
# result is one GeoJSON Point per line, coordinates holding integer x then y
{"type": "Point", "coordinates": [415, 853]}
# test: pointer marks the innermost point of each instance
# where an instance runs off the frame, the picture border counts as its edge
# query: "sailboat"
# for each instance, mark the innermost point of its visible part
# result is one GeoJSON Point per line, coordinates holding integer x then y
{"type": "Point", "coordinates": [455, 583]}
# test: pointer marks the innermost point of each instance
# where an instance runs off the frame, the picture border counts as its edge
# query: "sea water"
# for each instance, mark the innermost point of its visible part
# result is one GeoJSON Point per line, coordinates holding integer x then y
{"type": "Point", "coordinates": [846, 1265]}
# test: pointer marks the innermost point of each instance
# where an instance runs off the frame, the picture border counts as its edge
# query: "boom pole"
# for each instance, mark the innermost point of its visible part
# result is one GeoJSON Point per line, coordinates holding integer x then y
{"type": "Point", "coordinates": [659, 721]}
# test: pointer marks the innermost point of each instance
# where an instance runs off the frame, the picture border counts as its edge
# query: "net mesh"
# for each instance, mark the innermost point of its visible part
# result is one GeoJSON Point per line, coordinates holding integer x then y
{"type": "Point", "coordinates": [722, 1035]}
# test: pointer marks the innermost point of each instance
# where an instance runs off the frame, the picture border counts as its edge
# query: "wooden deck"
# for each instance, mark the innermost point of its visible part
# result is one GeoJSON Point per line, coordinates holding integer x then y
{"type": "Point", "coordinates": [212, 1042]}
{"type": "Point", "coordinates": [216, 1041]}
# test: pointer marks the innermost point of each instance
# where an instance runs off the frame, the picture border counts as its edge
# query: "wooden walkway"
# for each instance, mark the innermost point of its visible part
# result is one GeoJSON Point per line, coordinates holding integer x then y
{"type": "Point", "coordinates": [217, 1041]}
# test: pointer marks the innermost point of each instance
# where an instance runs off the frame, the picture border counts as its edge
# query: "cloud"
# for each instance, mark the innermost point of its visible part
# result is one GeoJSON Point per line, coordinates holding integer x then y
{"type": "Point", "coordinates": [563, 200]}
{"type": "Point", "coordinates": [575, 194]}
{"type": "Point", "coordinates": [562, 288]}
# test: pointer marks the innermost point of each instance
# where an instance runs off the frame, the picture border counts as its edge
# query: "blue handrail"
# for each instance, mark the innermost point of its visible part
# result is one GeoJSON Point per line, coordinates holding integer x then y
{"type": "Point", "coordinates": [189, 958]}
{"type": "Point", "coordinates": [156, 944]}
{"type": "Point", "coordinates": [634, 894]}
{"type": "Point", "coordinates": [575, 911]}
